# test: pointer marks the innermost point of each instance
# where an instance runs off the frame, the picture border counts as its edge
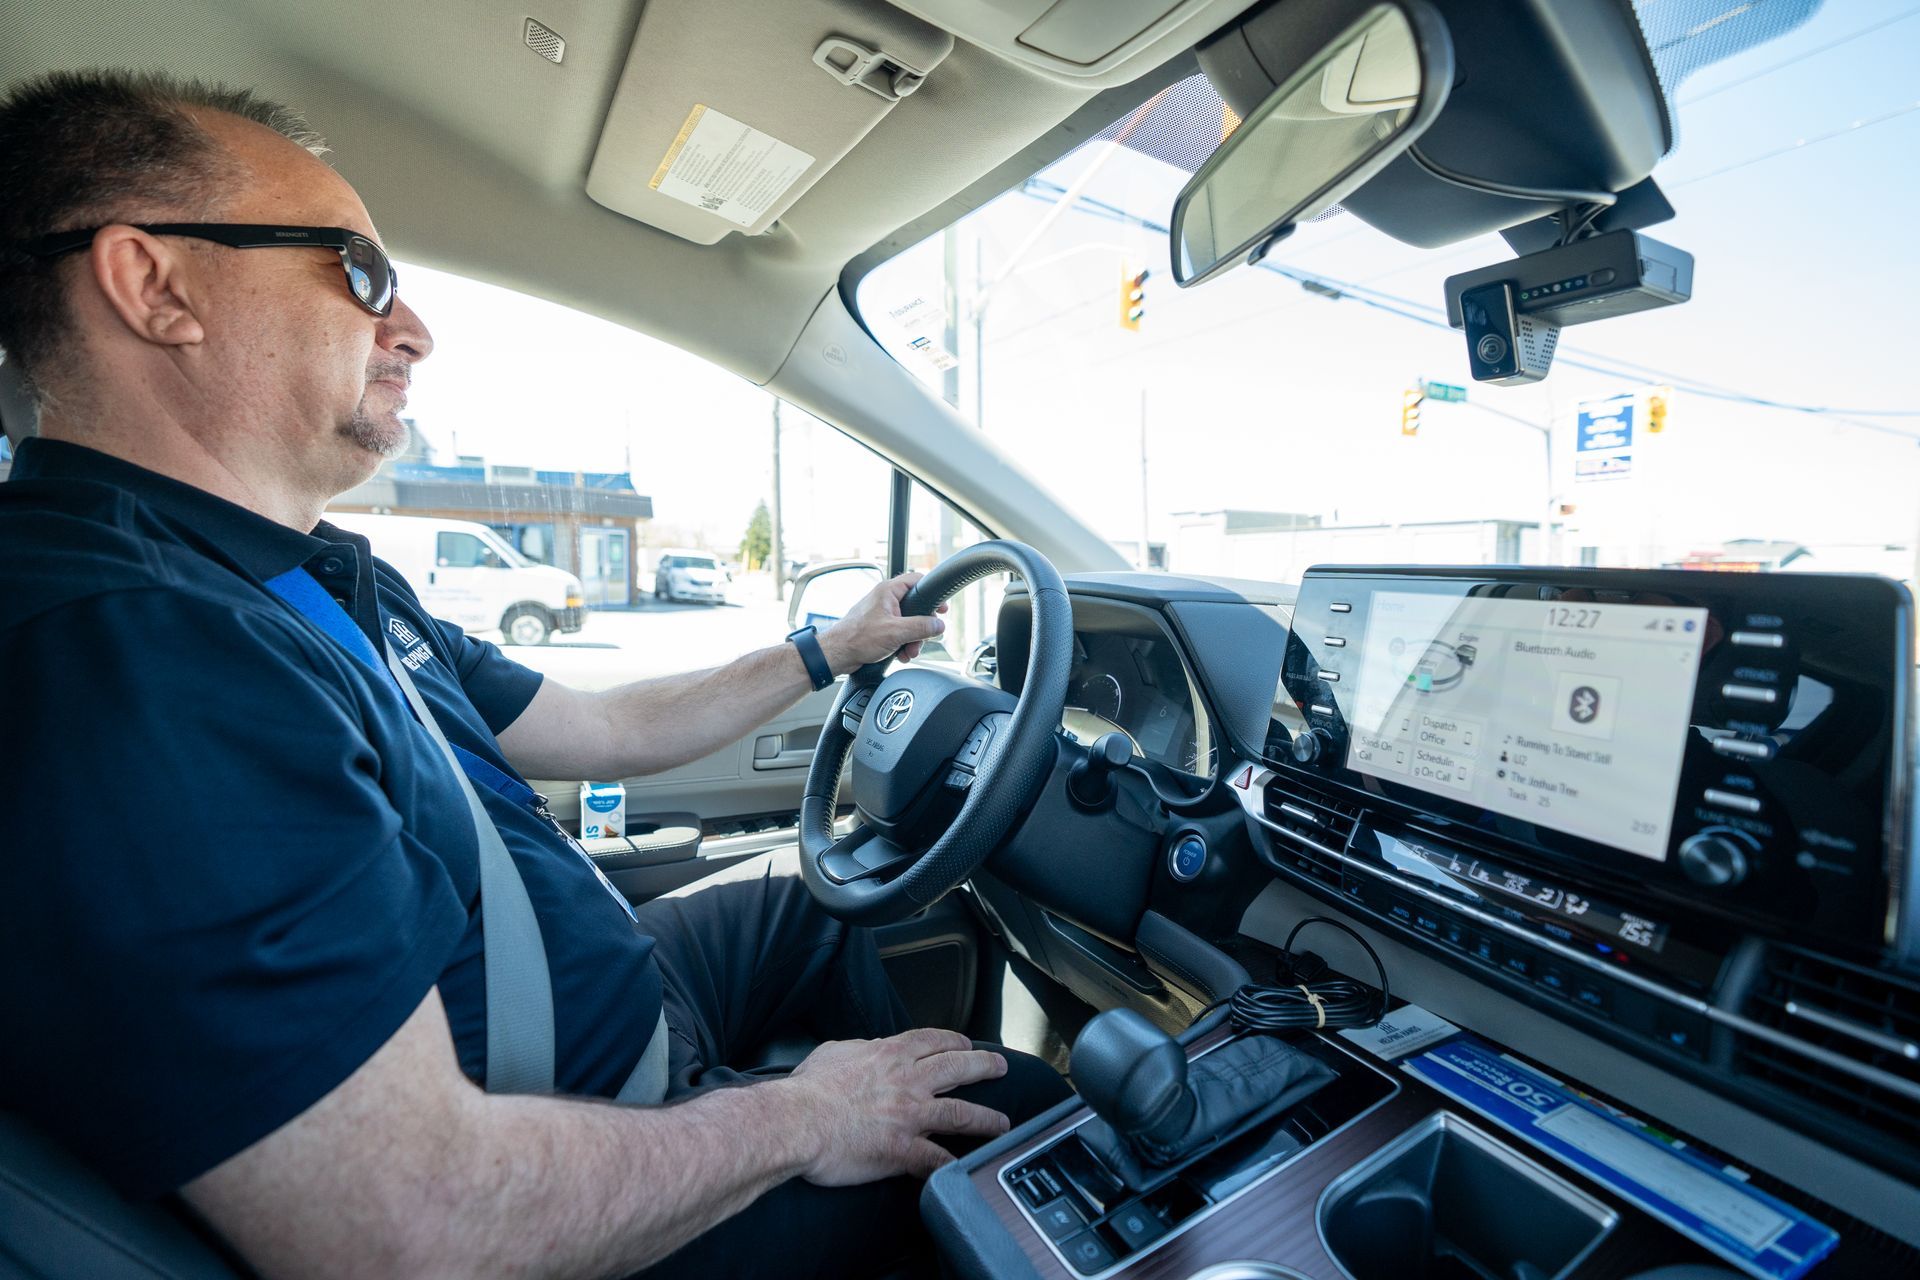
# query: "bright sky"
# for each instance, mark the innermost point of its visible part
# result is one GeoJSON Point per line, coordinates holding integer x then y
{"type": "Point", "coordinates": [1794, 179]}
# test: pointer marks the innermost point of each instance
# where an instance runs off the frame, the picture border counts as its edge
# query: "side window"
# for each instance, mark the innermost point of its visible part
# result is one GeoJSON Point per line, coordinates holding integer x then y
{"type": "Point", "coordinates": [937, 529]}
{"type": "Point", "coordinates": [460, 551]}
{"type": "Point", "coordinates": [652, 510]}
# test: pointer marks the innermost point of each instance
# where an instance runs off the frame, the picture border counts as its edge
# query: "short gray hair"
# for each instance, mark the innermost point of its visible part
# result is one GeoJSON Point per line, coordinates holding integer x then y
{"type": "Point", "coordinates": [85, 148]}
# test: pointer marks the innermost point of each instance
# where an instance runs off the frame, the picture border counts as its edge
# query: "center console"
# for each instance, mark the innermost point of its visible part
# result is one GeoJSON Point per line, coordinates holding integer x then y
{"type": "Point", "coordinates": [1376, 1175]}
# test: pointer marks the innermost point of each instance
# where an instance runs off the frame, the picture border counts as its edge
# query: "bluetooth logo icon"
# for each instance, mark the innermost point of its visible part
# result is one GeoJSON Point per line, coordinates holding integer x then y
{"type": "Point", "coordinates": [1584, 705]}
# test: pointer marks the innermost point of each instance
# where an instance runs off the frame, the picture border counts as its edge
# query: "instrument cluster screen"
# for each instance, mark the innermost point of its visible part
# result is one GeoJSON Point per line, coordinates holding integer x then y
{"type": "Point", "coordinates": [1571, 716]}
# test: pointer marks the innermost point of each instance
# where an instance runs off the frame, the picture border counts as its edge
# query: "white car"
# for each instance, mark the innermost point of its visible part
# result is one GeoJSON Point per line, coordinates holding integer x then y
{"type": "Point", "coordinates": [690, 575]}
{"type": "Point", "coordinates": [467, 574]}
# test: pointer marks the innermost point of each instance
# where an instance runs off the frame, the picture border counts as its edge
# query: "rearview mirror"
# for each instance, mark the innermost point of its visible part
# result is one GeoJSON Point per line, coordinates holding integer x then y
{"type": "Point", "coordinates": [1353, 103]}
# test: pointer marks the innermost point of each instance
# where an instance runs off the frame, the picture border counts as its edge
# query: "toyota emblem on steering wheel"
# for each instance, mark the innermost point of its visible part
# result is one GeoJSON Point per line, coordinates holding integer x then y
{"type": "Point", "coordinates": [895, 710]}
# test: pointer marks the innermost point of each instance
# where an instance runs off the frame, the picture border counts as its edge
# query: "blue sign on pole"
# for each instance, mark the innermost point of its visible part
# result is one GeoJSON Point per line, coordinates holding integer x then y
{"type": "Point", "coordinates": [1605, 425]}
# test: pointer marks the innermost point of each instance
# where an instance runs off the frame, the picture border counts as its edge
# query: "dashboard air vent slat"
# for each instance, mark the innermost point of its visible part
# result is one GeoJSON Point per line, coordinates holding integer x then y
{"type": "Point", "coordinates": [1862, 1014]}
{"type": "Point", "coordinates": [1315, 824]}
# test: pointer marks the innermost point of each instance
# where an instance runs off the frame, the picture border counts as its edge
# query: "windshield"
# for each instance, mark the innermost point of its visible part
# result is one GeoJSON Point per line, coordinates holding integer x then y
{"type": "Point", "coordinates": [1256, 425]}
{"type": "Point", "coordinates": [513, 558]}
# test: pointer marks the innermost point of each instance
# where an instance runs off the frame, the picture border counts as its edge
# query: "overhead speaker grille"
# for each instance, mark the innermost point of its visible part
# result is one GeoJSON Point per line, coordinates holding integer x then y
{"type": "Point", "coordinates": [545, 41]}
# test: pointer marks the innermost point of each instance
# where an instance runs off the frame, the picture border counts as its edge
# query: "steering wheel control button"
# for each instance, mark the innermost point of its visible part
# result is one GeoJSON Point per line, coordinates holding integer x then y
{"type": "Point", "coordinates": [1087, 1254]}
{"type": "Point", "coordinates": [1138, 1225]}
{"type": "Point", "coordinates": [1749, 693]}
{"type": "Point", "coordinates": [855, 710]}
{"type": "Point", "coordinates": [975, 747]}
{"type": "Point", "coordinates": [1059, 1219]}
{"type": "Point", "coordinates": [1187, 858]}
{"type": "Point", "coordinates": [959, 779]}
{"type": "Point", "coordinates": [1758, 639]}
{"type": "Point", "coordinates": [1731, 800]}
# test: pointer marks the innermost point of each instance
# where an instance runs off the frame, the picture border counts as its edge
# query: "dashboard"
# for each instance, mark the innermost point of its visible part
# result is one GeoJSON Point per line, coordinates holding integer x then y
{"type": "Point", "coordinates": [1134, 682]}
{"type": "Point", "coordinates": [1670, 809]}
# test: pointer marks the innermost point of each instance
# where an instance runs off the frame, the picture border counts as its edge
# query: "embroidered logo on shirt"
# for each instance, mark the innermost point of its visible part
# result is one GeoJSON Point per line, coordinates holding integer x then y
{"type": "Point", "coordinates": [417, 656]}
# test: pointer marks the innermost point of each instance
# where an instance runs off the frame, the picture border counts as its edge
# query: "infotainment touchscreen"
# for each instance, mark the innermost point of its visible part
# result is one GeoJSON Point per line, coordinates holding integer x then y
{"type": "Point", "coordinates": [1573, 716]}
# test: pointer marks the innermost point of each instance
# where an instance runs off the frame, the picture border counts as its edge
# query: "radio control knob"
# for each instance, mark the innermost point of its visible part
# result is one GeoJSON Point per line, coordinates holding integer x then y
{"type": "Point", "coordinates": [1713, 860]}
{"type": "Point", "coordinates": [1312, 746]}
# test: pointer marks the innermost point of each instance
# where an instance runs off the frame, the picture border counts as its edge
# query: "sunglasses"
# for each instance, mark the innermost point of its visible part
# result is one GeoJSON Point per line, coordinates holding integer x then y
{"type": "Point", "coordinates": [371, 278]}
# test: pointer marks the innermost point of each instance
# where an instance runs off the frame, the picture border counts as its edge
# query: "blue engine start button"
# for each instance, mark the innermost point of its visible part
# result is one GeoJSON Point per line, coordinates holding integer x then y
{"type": "Point", "coordinates": [1187, 857]}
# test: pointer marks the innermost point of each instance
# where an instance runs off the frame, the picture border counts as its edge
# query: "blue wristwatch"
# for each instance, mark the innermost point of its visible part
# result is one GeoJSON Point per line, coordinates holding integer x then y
{"type": "Point", "coordinates": [807, 641]}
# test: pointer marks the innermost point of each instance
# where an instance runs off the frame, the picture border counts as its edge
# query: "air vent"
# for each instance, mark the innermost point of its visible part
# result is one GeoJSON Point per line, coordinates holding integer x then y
{"type": "Point", "coordinates": [1315, 823]}
{"type": "Point", "coordinates": [1865, 1016]}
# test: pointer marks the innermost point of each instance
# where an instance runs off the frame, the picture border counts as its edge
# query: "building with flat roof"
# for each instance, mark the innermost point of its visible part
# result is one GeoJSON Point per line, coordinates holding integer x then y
{"type": "Point", "coordinates": [586, 522]}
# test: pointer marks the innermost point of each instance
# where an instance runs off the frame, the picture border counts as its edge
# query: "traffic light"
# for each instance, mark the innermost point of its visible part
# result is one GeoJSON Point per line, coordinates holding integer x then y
{"type": "Point", "coordinates": [1657, 410]}
{"type": "Point", "coordinates": [1133, 298]}
{"type": "Point", "coordinates": [1410, 402]}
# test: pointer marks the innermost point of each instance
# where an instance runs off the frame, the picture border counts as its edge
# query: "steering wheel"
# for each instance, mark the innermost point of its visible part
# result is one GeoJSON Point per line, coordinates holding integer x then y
{"type": "Point", "coordinates": [924, 740]}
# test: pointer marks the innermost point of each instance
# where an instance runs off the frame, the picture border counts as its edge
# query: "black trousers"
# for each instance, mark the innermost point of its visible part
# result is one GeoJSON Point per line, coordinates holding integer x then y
{"type": "Point", "coordinates": [746, 954]}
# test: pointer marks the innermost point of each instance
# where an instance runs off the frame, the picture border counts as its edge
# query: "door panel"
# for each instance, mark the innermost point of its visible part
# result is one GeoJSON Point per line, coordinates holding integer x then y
{"type": "Point", "coordinates": [727, 783]}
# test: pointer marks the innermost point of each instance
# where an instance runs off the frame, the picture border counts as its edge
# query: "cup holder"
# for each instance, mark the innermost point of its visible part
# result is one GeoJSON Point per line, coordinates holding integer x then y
{"type": "Point", "coordinates": [1445, 1201]}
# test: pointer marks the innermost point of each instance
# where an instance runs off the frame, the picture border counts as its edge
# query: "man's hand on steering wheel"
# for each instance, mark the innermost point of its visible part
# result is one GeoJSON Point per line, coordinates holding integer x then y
{"type": "Point", "coordinates": [942, 765]}
{"type": "Point", "coordinates": [875, 629]}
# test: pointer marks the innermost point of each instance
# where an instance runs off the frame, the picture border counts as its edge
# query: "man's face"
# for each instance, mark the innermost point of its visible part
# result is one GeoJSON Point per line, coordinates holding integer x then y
{"type": "Point", "coordinates": [321, 380]}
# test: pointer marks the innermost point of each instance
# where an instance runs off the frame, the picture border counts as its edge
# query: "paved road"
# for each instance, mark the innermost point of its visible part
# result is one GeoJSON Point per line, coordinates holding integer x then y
{"type": "Point", "coordinates": [658, 638]}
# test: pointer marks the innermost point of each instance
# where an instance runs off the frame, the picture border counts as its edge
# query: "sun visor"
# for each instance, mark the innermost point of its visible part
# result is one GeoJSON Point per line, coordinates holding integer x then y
{"type": "Point", "coordinates": [728, 111]}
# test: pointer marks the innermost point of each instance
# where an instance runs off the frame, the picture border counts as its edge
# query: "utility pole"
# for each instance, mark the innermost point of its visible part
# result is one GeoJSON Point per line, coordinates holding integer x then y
{"type": "Point", "coordinates": [1146, 547]}
{"type": "Point", "coordinates": [773, 511]}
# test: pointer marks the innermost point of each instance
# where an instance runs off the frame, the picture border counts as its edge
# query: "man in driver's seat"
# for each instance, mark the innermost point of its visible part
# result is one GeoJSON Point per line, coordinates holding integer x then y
{"type": "Point", "coordinates": [283, 1019]}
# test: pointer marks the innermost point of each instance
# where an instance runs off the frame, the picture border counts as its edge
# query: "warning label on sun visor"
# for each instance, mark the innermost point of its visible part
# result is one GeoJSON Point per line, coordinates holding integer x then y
{"type": "Point", "coordinates": [728, 168]}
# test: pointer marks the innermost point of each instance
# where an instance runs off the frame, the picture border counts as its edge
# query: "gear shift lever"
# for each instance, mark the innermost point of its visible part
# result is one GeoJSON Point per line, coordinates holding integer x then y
{"type": "Point", "coordinates": [1153, 1114]}
{"type": "Point", "coordinates": [1134, 1077]}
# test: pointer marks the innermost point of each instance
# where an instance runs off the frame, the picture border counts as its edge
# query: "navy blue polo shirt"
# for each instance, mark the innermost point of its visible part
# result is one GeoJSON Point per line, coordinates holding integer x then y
{"type": "Point", "coordinates": [231, 865]}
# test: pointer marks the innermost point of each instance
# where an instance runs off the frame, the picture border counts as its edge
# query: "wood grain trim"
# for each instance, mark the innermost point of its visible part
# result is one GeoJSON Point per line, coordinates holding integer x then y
{"type": "Point", "coordinates": [1277, 1221]}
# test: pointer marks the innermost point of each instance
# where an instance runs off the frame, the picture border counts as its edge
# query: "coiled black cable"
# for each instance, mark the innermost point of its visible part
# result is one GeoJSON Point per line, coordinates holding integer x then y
{"type": "Point", "coordinates": [1341, 1002]}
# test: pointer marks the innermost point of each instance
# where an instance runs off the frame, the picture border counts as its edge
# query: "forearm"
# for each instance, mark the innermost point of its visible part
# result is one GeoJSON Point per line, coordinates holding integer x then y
{"type": "Point", "coordinates": [407, 1170]}
{"type": "Point", "coordinates": [652, 725]}
{"type": "Point", "coordinates": [564, 1188]}
{"type": "Point", "coordinates": [655, 725]}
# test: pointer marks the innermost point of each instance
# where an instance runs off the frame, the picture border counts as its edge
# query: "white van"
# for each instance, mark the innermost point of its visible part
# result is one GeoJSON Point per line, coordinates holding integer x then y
{"type": "Point", "coordinates": [467, 574]}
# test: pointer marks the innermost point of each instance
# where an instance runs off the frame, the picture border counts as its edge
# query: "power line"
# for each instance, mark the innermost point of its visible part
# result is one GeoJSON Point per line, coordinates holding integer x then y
{"type": "Point", "coordinates": [1398, 306]}
{"type": "Point", "coordinates": [1801, 144]}
{"type": "Point", "coordinates": [1799, 57]}
{"type": "Point", "coordinates": [1395, 305]}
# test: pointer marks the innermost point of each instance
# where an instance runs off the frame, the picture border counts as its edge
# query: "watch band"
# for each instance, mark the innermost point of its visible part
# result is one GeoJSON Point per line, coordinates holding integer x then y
{"type": "Point", "coordinates": [807, 641]}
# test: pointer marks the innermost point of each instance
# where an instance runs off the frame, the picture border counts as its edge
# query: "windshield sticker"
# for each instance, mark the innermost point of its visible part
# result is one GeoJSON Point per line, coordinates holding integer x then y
{"type": "Point", "coordinates": [917, 321]}
{"type": "Point", "coordinates": [728, 168]}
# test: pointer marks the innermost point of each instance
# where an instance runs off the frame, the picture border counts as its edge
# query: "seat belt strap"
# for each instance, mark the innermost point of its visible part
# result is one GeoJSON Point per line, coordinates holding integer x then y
{"type": "Point", "coordinates": [647, 1084]}
{"type": "Point", "coordinates": [519, 986]}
